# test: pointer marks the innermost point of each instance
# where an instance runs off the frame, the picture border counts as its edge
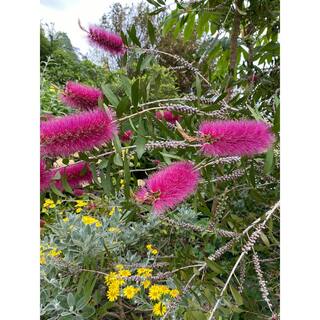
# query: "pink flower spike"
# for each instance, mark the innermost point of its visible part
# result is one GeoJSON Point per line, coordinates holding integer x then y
{"type": "Point", "coordinates": [77, 132]}
{"type": "Point", "coordinates": [170, 186]}
{"type": "Point", "coordinates": [127, 135]}
{"type": "Point", "coordinates": [76, 175]}
{"type": "Point", "coordinates": [235, 138]}
{"type": "Point", "coordinates": [167, 116]}
{"type": "Point", "coordinates": [106, 40]}
{"type": "Point", "coordinates": [80, 96]}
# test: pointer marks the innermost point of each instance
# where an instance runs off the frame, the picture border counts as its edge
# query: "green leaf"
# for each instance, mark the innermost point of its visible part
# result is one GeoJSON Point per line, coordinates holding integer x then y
{"type": "Point", "coordinates": [198, 86]}
{"type": "Point", "coordinates": [127, 176]}
{"type": "Point", "coordinates": [56, 191]}
{"type": "Point", "coordinates": [146, 62]}
{"type": "Point", "coordinates": [123, 106]}
{"type": "Point", "coordinates": [255, 113]}
{"type": "Point", "coordinates": [65, 184]}
{"type": "Point", "coordinates": [189, 28]}
{"type": "Point", "coordinates": [110, 95]}
{"type": "Point", "coordinates": [126, 85]}
{"type": "Point", "coordinates": [265, 239]}
{"type": "Point", "coordinates": [140, 143]}
{"type": "Point", "coordinates": [71, 300]}
{"type": "Point", "coordinates": [135, 93]}
{"type": "Point", "coordinates": [117, 160]}
{"type": "Point", "coordinates": [133, 36]}
{"type": "Point", "coordinates": [151, 32]}
{"type": "Point", "coordinates": [268, 162]}
{"type": "Point", "coordinates": [236, 295]}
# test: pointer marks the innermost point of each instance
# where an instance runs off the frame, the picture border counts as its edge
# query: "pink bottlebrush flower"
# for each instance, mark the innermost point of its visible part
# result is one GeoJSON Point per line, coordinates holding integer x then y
{"type": "Point", "coordinates": [76, 175]}
{"type": "Point", "coordinates": [169, 186]}
{"type": "Point", "coordinates": [81, 96]}
{"type": "Point", "coordinates": [168, 116]}
{"type": "Point", "coordinates": [106, 40]}
{"type": "Point", "coordinates": [77, 132]}
{"type": "Point", "coordinates": [235, 138]}
{"type": "Point", "coordinates": [127, 135]}
{"type": "Point", "coordinates": [45, 176]}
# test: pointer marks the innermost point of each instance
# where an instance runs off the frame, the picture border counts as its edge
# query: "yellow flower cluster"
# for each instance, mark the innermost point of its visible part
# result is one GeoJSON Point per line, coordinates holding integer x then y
{"type": "Point", "coordinates": [144, 272]}
{"type": "Point", "coordinates": [130, 291]}
{"type": "Point", "coordinates": [151, 249]}
{"type": "Point", "coordinates": [91, 220]}
{"type": "Point", "coordinates": [49, 204]}
{"type": "Point", "coordinates": [159, 309]}
{"type": "Point", "coordinates": [79, 205]}
{"type": "Point", "coordinates": [54, 252]}
{"type": "Point", "coordinates": [157, 291]}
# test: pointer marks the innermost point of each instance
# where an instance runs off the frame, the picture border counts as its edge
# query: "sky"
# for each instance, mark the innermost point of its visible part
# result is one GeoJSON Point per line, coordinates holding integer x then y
{"type": "Point", "coordinates": [65, 13]}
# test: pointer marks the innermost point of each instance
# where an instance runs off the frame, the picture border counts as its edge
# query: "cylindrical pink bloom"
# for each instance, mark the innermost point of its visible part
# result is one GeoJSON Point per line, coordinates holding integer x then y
{"type": "Point", "coordinates": [106, 40]}
{"type": "Point", "coordinates": [76, 175]}
{"type": "Point", "coordinates": [77, 132]}
{"type": "Point", "coordinates": [167, 116]}
{"type": "Point", "coordinates": [235, 138]}
{"type": "Point", "coordinates": [126, 136]}
{"type": "Point", "coordinates": [45, 176]}
{"type": "Point", "coordinates": [170, 186]}
{"type": "Point", "coordinates": [81, 96]}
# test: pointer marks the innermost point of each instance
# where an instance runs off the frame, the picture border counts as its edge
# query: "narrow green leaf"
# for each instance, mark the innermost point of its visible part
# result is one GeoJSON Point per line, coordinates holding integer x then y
{"type": "Point", "coordinates": [133, 35]}
{"type": "Point", "coordinates": [135, 93]}
{"type": "Point", "coordinates": [198, 86]}
{"type": "Point", "coordinates": [189, 27]}
{"type": "Point", "coordinates": [71, 300]}
{"type": "Point", "coordinates": [126, 85]}
{"type": "Point", "coordinates": [65, 184]}
{"type": "Point", "coordinates": [268, 162]}
{"type": "Point", "coordinates": [151, 32]}
{"type": "Point", "coordinates": [110, 95]}
{"type": "Point", "coordinates": [236, 295]}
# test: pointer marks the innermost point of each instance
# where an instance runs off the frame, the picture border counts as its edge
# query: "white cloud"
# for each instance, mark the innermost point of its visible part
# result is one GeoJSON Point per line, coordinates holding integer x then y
{"type": "Point", "coordinates": [65, 14]}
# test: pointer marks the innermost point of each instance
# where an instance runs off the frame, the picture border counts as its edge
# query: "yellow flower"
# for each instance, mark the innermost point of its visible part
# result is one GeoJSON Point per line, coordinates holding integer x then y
{"type": "Point", "coordinates": [78, 210]}
{"type": "Point", "coordinates": [149, 247]}
{"type": "Point", "coordinates": [54, 252]}
{"type": "Point", "coordinates": [125, 273]}
{"type": "Point", "coordinates": [114, 229]}
{"type": "Point", "coordinates": [111, 212]}
{"type": "Point", "coordinates": [48, 202]}
{"type": "Point", "coordinates": [110, 277]}
{"type": "Point", "coordinates": [164, 289]}
{"type": "Point", "coordinates": [146, 284]}
{"type": "Point", "coordinates": [80, 203]}
{"type": "Point", "coordinates": [144, 272]}
{"type": "Point", "coordinates": [91, 220]}
{"type": "Point", "coordinates": [159, 309]}
{"type": "Point", "coordinates": [113, 293]}
{"type": "Point", "coordinates": [174, 293]}
{"type": "Point", "coordinates": [51, 206]}
{"type": "Point", "coordinates": [155, 293]}
{"type": "Point", "coordinates": [119, 266]}
{"type": "Point", "coordinates": [154, 251]}
{"type": "Point", "coordinates": [130, 291]}
{"type": "Point", "coordinates": [59, 202]}
{"type": "Point", "coordinates": [42, 259]}
{"type": "Point", "coordinates": [65, 219]}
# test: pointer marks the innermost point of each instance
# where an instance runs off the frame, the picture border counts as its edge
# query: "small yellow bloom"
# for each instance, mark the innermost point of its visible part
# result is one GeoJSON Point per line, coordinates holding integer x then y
{"type": "Point", "coordinates": [111, 212]}
{"type": "Point", "coordinates": [144, 272]}
{"type": "Point", "coordinates": [78, 210]}
{"type": "Point", "coordinates": [110, 278]}
{"type": "Point", "coordinates": [91, 220]}
{"type": "Point", "coordinates": [154, 251]}
{"type": "Point", "coordinates": [42, 259]}
{"type": "Point", "coordinates": [130, 291]}
{"type": "Point", "coordinates": [174, 293]}
{"type": "Point", "coordinates": [146, 284]}
{"type": "Point", "coordinates": [124, 273]}
{"type": "Point", "coordinates": [65, 219]}
{"type": "Point", "coordinates": [51, 206]}
{"type": "Point", "coordinates": [114, 229]}
{"type": "Point", "coordinates": [58, 202]}
{"type": "Point", "coordinates": [113, 293]}
{"type": "Point", "coordinates": [155, 293]}
{"type": "Point", "coordinates": [159, 309]}
{"type": "Point", "coordinates": [149, 247]}
{"type": "Point", "coordinates": [80, 203]}
{"type": "Point", "coordinates": [54, 252]}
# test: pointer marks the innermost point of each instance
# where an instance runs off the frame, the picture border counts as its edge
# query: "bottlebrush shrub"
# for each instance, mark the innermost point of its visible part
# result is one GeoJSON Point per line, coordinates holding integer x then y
{"type": "Point", "coordinates": [167, 116]}
{"type": "Point", "coordinates": [76, 175]}
{"type": "Point", "coordinates": [235, 138]}
{"type": "Point", "coordinates": [80, 96]}
{"type": "Point", "coordinates": [170, 186]}
{"type": "Point", "coordinates": [77, 132]}
{"type": "Point", "coordinates": [106, 40]}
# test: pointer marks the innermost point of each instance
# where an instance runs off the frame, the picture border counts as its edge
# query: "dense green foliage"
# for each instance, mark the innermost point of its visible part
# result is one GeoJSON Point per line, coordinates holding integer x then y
{"type": "Point", "coordinates": [234, 56]}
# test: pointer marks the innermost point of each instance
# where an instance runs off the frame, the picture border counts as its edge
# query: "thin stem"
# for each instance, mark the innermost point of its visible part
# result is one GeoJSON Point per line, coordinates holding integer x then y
{"type": "Point", "coordinates": [267, 217]}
